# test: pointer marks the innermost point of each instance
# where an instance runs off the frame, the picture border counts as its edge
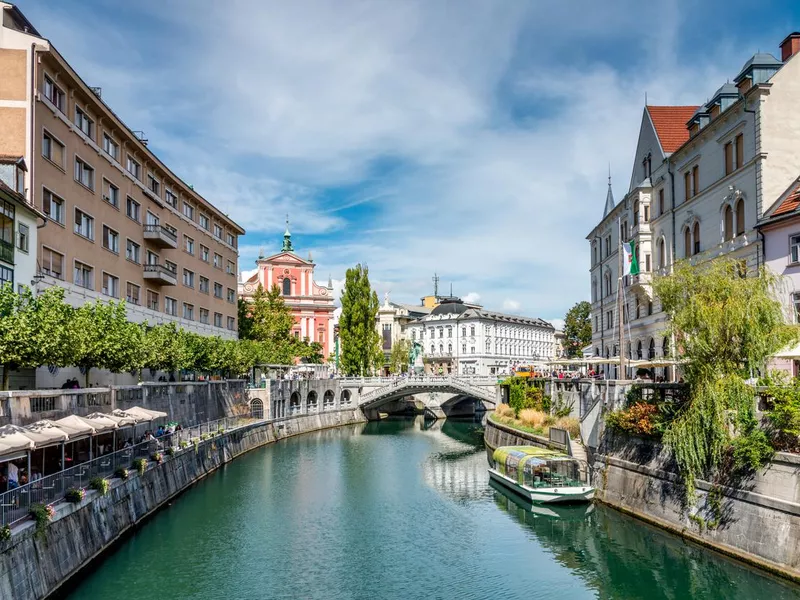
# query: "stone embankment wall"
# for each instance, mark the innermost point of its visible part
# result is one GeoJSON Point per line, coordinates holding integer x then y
{"type": "Point", "coordinates": [758, 517]}
{"type": "Point", "coordinates": [33, 568]}
{"type": "Point", "coordinates": [497, 434]}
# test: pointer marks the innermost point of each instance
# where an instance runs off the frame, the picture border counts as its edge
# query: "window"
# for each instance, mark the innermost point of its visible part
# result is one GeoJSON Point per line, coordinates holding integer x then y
{"type": "Point", "coordinates": [727, 223]}
{"type": "Point", "coordinates": [188, 278]}
{"type": "Point", "coordinates": [23, 237]}
{"type": "Point", "coordinates": [52, 149]}
{"type": "Point", "coordinates": [133, 293]}
{"type": "Point", "coordinates": [133, 209]}
{"type": "Point", "coordinates": [218, 263]}
{"type": "Point", "coordinates": [231, 323]}
{"type": "Point", "coordinates": [217, 231]}
{"type": "Point", "coordinates": [188, 244]}
{"type": "Point", "coordinates": [6, 276]}
{"type": "Point", "coordinates": [449, 331]}
{"type": "Point", "coordinates": [661, 201]}
{"type": "Point", "coordinates": [172, 230]}
{"type": "Point", "coordinates": [53, 93]}
{"type": "Point", "coordinates": [84, 173]}
{"type": "Point", "coordinates": [188, 211]}
{"type": "Point", "coordinates": [154, 185]}
{"type": "Point", "coordinates": [52, 263]}
{"type": "Point", "coordinates": [635, 213]}
{"type": "Point", "coordinates": [739, 151]}
{"type": "Point", "coordinates": [134, 168]}
{"type": "Point", "coordinates": [472, 330]}
{"type": "Point", "coordinates": [687, 242]}
{"type": "Point", "coordinates": [463, 332]}
{"type": "Point", "coordinates": [204, 284]}
{"type": "Point", "coordinates": [152, 258]}
{"type": "Point", "coordinates": [84, 224]}
{"type": "Point", "coordinates": [441, 332]}
{"type": "Point", "coordinates": [150, 219]}
{"type": "Point", "coordinates": [204, 316]}
{"type": "Point", "coordinates": [229, 237]}
{"type": "Point", "coordinates": [740, 217]}
{"type": "Point", "coordinates": [171, 266]}
{"type": "Point", "coordinates": [608, 246]}
{"type": "Point", "coordinates": [203, 253]}
{"type": "Point", "coordinates": [230, 269]}
{"type": "Point", "coordinates": [594, 254]}
{"type": "Point", "coordinates": [729, 158]}
{"type": "Point", "coordinates": [188, 311]}
{"type": "Point", "coordinates": [110, 193]}
{"type": "Point", "coordinates": [171, 306]}
{"type": "Point", "coordinates": [110, 147]}
{"type": "Point", "coordinates": [696, 233]}
{"type": "Point", "coordinates": [231, 296]}
{"type": "Point", "coordinates": [83, 122]}
{"type": "Point", "coordinates": [217, 319]}
{"type": "Point", "coordinates": [695, 180]}
{"type": "Point", "coordinates": [170, 198]}
{"type": "Point", "coordinates": [794, 248]}
{"type": "Point", "coordinates": [662, 256]}
{"type": "Point", "coordinates": [646, 263]}
{"type": "Point", "coordinates": [152, 300]}
{"type": "Point", "coordinates": [217, 290]}
{"type": "Point", "coordinates": [646, 213]}
{"type": "Point", "coordinates": [204, 222]}
{"type": "Point", "coordinates": [110, 285]}
{"type": "Point", "coordinates": [463, 348]}
{"type": "Point", "coordinates": [110, 239]}
{"type": "Point", "coordinates": [7, 230]}
{"type": "Point", "coordinates": [83, 275]}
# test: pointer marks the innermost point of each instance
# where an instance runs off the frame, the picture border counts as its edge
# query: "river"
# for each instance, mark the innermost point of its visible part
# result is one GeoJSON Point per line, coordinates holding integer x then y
{"type": "Point", "coordinates": [399, 510]}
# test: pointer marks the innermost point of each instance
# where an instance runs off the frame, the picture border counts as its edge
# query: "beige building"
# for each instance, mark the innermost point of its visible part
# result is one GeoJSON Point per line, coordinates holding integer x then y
{"type": "Point", "coordinates": [120, 224]}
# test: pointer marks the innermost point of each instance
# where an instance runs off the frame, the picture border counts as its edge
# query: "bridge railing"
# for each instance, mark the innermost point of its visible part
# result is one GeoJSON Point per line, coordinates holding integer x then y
{"type": "Point", "coordinates": [476, 384]}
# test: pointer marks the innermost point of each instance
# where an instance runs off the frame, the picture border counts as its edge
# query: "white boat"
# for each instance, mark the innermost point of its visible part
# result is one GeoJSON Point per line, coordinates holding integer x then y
{"type": "Point", "coordinates": [539, 475]}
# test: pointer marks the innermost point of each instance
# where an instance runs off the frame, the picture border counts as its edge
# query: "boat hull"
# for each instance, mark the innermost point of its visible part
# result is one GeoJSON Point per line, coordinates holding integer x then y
{"type": "Point", "coordinates": [563, 495]}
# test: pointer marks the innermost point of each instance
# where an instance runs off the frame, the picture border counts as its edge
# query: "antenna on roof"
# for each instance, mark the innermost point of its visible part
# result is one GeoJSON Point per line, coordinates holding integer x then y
{"type": "Point", "coordinates": [451, 289]}
{"type": "Point", "coordinates": [435, 280]}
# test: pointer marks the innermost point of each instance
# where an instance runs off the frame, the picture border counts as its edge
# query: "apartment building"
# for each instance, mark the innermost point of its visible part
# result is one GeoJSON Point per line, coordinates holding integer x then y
{"type": "Point", "coordinates": [120, 224]}
{"type": "Point", "coordinates": [703, 178]}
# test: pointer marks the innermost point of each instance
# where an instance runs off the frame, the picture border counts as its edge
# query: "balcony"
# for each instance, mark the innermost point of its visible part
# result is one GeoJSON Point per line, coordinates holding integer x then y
{"type": "Point", "coordinates": [160, 236]}
{"type": "Point", "coordinates": [160, 274]}
{"type": "Point", "coordinates": [7, 251]}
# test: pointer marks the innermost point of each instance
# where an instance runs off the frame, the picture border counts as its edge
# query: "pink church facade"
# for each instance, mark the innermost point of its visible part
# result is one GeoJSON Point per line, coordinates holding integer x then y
{"type": "Point", "coordinates": [312, 304]}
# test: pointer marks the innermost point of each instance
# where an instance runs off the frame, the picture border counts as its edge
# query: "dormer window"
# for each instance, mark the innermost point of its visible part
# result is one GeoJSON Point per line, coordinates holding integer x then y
{"type": "Point", "coordinates": [19, 179]}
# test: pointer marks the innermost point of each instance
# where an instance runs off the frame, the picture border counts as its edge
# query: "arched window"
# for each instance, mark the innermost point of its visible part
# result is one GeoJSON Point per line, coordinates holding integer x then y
{"type": "Point", "coordinates": [635, 213]}
{"type": "Point", "coordinates": [433, 349]}
{"type": "Point", "coordinates": [608, 284]}
{"type": "Point", "coordinates": [441, 348]}
{"type": "Point", "coordinates": [257, 409]}
{"type": "Point", "coordinates": [608, 354]}
{"type": "Point", "coordinates": [311, 400]}
{"type": "Point", "coordinates": [441, 332]}
{"type": "Point", "coordinates": [687, 242]}
{"type": "Point", "coordinates": [328, 399]}
{"type": "Point", "coordinates": [740, 217]}
{"type": "Point", "coordinates": [413, 334]}
{"type": "Point", "coordinates": [651, 351]}
{"type": "Point", "coordinates": [449, 348]}
{"type": "Point", "coordinates": [727, 224]}
{"type": "Point", "coordinates": [696, 236]}
{"type": "Point", "coordinates": [639, 350]}
{"type": "Point", "coordinates": [665, 348]}
{"type": "Point", "coordinates": [472, 330]}
{"type": "Point", "coordinates": [449, 331]}
{"type": "Point", "coordinates": [287, 286]}
{"type": "Point", "coordinates": [594, 253]}
{"type": "Point", "coordinates": [345, 397]}
{"type": "Point", "coordinates": [662, 254]}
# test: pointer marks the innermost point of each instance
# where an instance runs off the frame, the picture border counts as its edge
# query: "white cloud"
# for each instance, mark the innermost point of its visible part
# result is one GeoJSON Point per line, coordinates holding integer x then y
{"type": "Point", "coordinates": [245, 275]}
{"type": "Point", "coordinates": [557, 323]}
{"type": "Point", "coordinates": [472, 298]}
{"type": "Point", "coordinates": [511, 306]}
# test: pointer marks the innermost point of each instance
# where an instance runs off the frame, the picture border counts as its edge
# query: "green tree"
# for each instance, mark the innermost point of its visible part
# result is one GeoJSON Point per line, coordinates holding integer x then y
{"type": "Point", "coordinates": [245, 319]}
{"type": "Point", "coordinates": [33, 329]}
{"type": "Point", "coordinates": [726, 327]}
{"type": "Point", "coordinates": [398, 358]}
{"type": "Point", "coordinates": [577, 329]}
{"type": "Point", "coordinates": [169, 348]}
{"type": "Point", "coordinates": [102, 337]}
{"type": "Point", "coordinates": [361, 350]}
{"type": "Point", "coordinates": [311, 352]}
{"type": "Point", "coordinates": [271, 323]}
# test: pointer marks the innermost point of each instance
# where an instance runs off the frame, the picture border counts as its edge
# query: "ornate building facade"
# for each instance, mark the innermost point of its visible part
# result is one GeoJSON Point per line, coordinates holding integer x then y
{"type": "Point", "coordinates": [312, 304]}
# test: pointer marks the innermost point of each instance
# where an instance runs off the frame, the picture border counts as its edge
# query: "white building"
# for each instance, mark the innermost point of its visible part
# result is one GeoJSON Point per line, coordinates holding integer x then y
{"type": "Point", "coordinates": [459, 339]}
{"type": "Point", "coordinates": [703, 177]}
{"type": "Point", "coordinates": [18, 226]}
{"type": "Point", "coordinates": [392, 322]}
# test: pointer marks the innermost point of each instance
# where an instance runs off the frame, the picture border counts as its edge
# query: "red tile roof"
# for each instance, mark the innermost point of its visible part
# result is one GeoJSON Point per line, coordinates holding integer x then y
{"type": "Point", "coordinates": [670, 123]}
{"type": "Point", "coordinates": [790, 204]}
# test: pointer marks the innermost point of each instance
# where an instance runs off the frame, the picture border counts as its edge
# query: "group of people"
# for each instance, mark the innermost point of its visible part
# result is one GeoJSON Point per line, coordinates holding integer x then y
{"type": "Point", "coordinates": [12, 476]}
{"type": "Point", "coordinates": [150, 436]}
{"type": "Point", "coordinates": [71, 384]}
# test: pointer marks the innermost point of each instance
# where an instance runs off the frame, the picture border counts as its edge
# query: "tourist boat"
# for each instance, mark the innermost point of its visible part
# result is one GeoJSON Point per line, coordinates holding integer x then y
{"type": "Point", "coordinates": [511, 501]}
{"type": "Point", "coordinates": [539, 474]}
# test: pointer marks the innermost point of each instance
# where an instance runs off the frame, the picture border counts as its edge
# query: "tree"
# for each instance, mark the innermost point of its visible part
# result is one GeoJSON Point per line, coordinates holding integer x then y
{"type": "Point", "coordinates": [33, 329]}
{"type": "Point", "coordinates": [271, 323]}
{"type": "Point", "coordinates": [245, 319]}
{"type": "Point", "coordinates": [577, 329]}
{"type": "Point", "coordinates": [102, 337]}
{"type": "Point", "coordinates": [726, 327]}
{"type": "Point", "coordinates": [398, 358]}
{"type": "Point", "coordinates": [361, 343]}
{"type": "Point", "coordinates": [170, 348]}
{"type": "Point", "coordinates": [311, 352]}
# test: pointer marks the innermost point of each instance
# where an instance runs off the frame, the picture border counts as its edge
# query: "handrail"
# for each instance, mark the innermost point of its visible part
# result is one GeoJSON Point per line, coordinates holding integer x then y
{"type": "Point", "coordinates": [157, 228]}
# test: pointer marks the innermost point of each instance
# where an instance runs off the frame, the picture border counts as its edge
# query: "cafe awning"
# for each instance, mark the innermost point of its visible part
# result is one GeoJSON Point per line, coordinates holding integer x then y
{"type": "Point", "coordinates": [119, 420]}
{"type": "Point", "coordinates": [12, 440]}
{"type": "Point", "coordinates": [142, 414]}
{"type": "Point", "coordinates": [101, 424]}
{"type": "Point", "coordinates": [45, 432]}
{"type": "Point", "coordinates": [78, 426]}
{"type": "Point", "coordinates": [792, 352]}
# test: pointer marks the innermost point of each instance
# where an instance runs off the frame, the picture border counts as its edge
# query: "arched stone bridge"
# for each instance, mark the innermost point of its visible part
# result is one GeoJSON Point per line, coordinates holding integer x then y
{"type": "Point", "coordinates": [440, 396]}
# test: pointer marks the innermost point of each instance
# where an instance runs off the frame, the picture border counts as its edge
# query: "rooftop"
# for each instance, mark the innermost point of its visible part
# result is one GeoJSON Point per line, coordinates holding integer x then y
{"type": "Point", "coordinates": [670, 125]}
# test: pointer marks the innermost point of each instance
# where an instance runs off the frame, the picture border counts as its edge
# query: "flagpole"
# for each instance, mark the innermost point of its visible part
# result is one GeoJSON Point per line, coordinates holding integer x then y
{"type": "Point", "coordinates": [619, 305]}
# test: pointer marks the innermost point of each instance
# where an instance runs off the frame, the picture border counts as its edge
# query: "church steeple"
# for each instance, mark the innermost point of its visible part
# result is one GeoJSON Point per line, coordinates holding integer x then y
{"type": "Point", "coordinates": [610, 204]}
{"type": "Point", "coordinates": [287, 238]}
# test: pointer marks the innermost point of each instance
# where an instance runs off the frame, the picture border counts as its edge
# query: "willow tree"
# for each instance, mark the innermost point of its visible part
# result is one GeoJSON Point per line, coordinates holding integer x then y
{"type": "Point", "coordinates": [361, 343]}
{"type": "Point", "coordinates": [726, 327]}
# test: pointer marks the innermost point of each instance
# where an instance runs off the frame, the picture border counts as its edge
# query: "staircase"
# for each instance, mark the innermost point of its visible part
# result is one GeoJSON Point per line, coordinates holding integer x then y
{"type": "Point", "coordinates": [578, 452]}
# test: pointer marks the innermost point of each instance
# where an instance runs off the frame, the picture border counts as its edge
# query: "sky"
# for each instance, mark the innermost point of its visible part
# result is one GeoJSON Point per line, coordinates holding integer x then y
{"type": "Point", "coordinates": [467, 138]}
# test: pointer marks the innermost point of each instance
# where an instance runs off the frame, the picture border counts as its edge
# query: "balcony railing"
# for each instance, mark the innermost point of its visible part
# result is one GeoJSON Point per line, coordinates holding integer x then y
{"type": "Point", "coordinates": [160, 236]}
{"type": "Point", "coordinates": [160, 274]}
{"type": "Point", "coordinates": [6, 251]}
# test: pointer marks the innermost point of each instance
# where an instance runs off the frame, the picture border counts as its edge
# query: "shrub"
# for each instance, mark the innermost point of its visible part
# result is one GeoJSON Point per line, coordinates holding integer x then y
{"type": "Point", "coordinates": [100, 484]}
{"type": "Point", "coordinates": [562, 408]}
{"type": "Point", "coordinates": [140, 464]}
{"type": "Point", "coordinates": [571, 424]}
{"type": "Point", "coordinates": [221, 430]}
{"type": "Point", "coordinates": [157, 457]}
{"type": "Point", "coordinates": [122, 473]}
{"type": "Point", "coordinates": [171, 451]}
{"type": "Point", "coordinates": [203, 437]}
{"type": "Point", "coordinates": [75, 495]}
{"type": "Point", "coordinates": [42, 514]}
{"type": "Point", "coordinates": [638, 419]}
{"type": "Point", "coordinates": [184, 444]}
{"type": "Point", "coordinates": [532, 418]}
{"type": "Point", "coordinates": [5, 533]}
{"type": "Point", "coordinates": [504, 410]}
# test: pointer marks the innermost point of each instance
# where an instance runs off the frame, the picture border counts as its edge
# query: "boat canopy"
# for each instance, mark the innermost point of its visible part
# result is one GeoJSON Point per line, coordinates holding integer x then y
{"type": "Point", "coordinates": [535, 467]}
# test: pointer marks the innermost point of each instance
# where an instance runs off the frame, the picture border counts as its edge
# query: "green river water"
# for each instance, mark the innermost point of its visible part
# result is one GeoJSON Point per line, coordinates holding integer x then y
{"type": "Point", "coordinates": [399, 510]}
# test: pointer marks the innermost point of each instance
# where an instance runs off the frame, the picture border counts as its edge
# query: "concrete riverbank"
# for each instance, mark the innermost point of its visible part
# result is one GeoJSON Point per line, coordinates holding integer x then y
{"type": "Point", "coordinates": [34, 567]}
{"type": "Point", "coordinates": [756, 520]}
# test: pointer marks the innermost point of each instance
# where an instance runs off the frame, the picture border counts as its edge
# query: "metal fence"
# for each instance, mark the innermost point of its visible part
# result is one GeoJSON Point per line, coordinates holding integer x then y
{"type": "Point", "coordinates": [15, 504]}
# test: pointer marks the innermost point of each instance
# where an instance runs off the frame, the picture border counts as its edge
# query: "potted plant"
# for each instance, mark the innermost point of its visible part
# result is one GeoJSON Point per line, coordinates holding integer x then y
{"type": "Point", "coordinates": [157, 457]}
{"type": "Point", "coordinates": [42, 514]}
{"type": "Point", "coordinates": [5, 533]}
{"type": "Point", "coordinates": [100, 484]}
{"type": "Point", "coordinates": [140, 464]}
{"type": "Point", "coordinates": [122, 473]}
{"type": "Point", "coordinates": [171, 451]}
{"type": "Point", "coordinates": [184, 444]}
{"type": "Point", "coordinates": [75, 495]}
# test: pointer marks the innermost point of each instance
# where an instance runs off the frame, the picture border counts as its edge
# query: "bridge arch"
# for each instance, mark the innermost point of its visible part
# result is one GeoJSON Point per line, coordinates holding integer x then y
{"type": "Point", "coordinates": [311, 401]}
{"type": "Point", "coordinates": [294, 403]}
{"type": "Point", "coordinates": [344, 398]}
{"type": "Point", "coordinates": [328, 399]}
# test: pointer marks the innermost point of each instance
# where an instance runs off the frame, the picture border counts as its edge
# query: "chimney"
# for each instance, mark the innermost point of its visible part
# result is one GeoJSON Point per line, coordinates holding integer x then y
{"type": "Point", "coordinates": [790, 46]}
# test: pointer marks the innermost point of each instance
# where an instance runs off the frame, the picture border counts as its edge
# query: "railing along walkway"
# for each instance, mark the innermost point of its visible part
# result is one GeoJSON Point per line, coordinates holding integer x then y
{"type": "Point", "coordinates": [474, 385]}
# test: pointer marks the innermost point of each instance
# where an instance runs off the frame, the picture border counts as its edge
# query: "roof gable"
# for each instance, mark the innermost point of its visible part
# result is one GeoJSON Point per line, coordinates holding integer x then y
{"type": "Point", "coordinates": [790, 202]}
{"type": "Point", "coordinates": [669, 123]}
{"type": "Point", "coordinates": [285, 258]}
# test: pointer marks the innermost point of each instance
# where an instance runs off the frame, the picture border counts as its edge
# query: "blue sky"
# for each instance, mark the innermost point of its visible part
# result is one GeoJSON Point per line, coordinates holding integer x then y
{"type": "Point", "coordinates": [469, 138]}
